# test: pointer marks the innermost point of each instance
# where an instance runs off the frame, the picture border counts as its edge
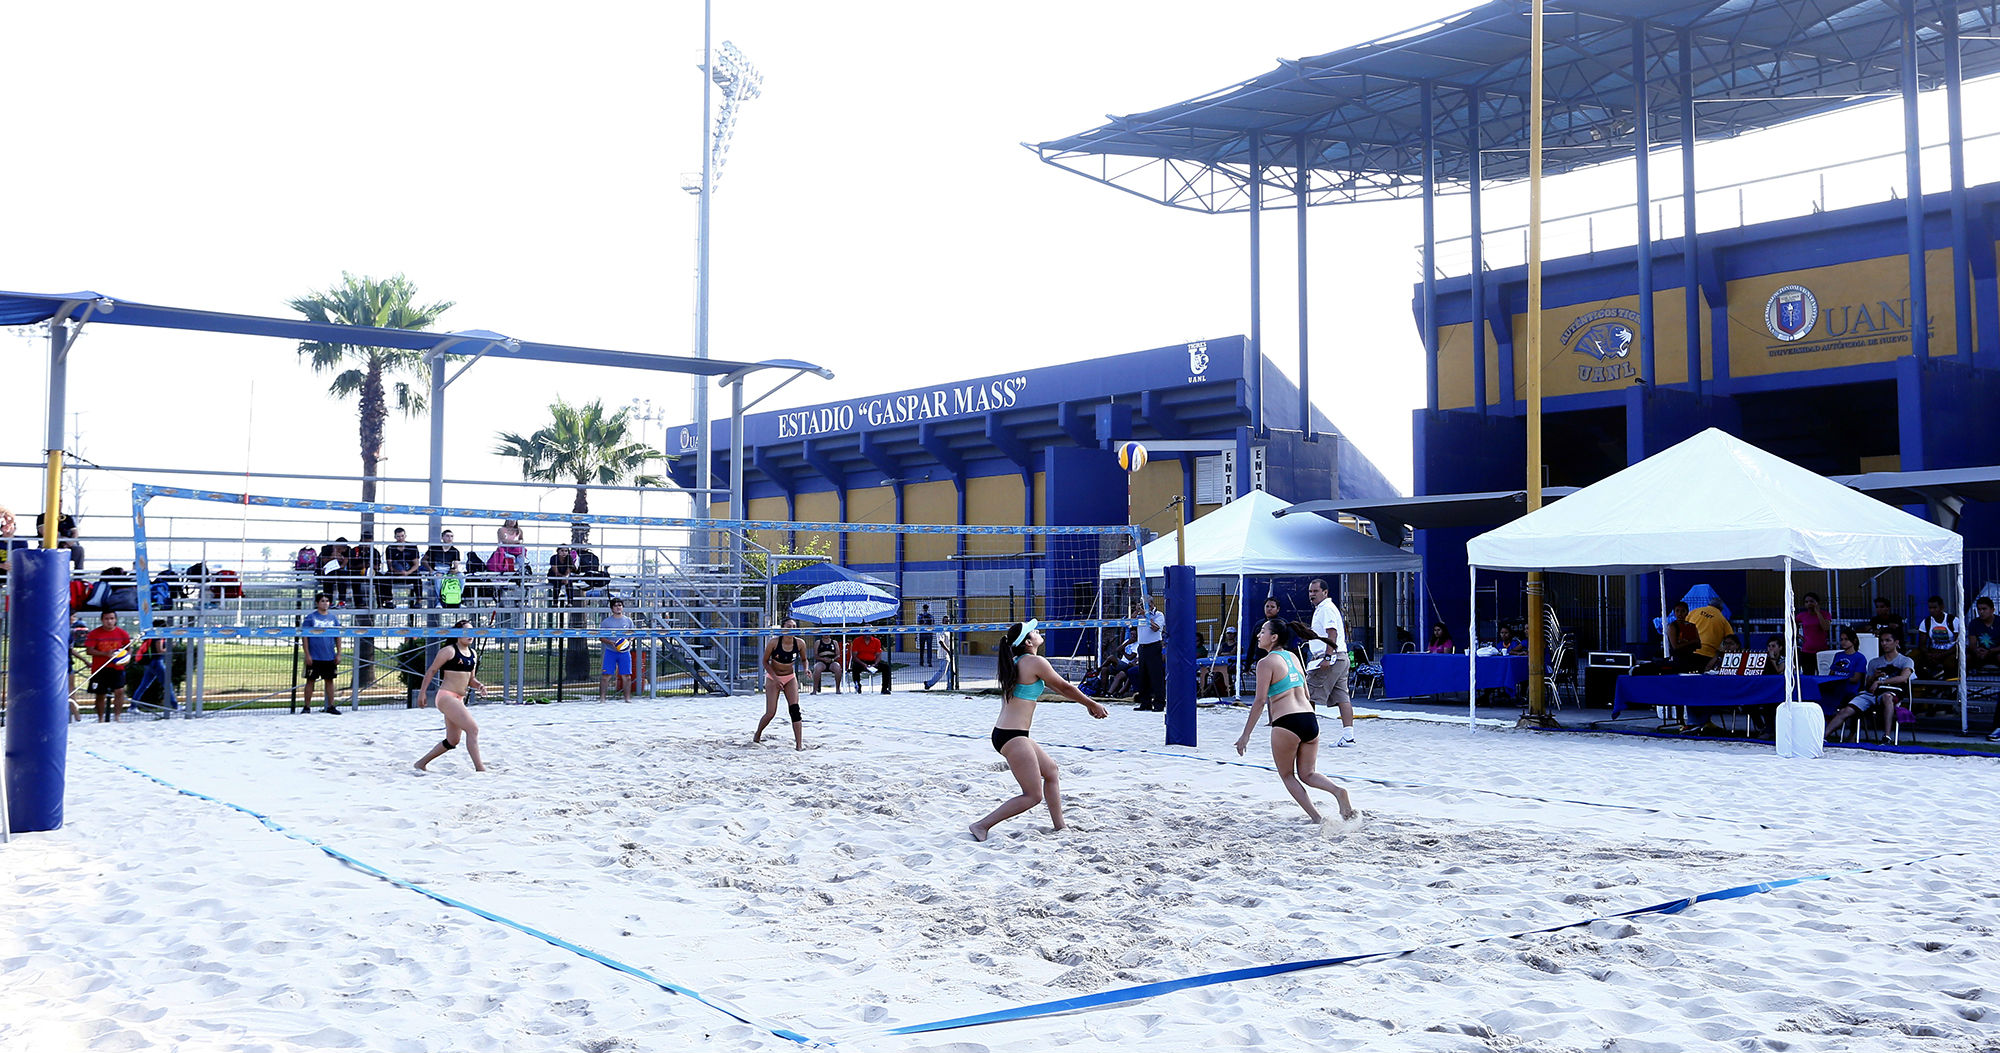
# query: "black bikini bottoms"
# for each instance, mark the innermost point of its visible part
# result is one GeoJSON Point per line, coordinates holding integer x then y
{"type": "Point", "coordinates": [1002, 736]}
{"type": "Point", "coordinates": [1304, 725]}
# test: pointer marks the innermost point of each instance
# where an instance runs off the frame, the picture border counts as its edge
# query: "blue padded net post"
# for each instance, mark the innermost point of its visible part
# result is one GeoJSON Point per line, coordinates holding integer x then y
{"type": "Point", "coordinates": [37, 688]}
{"type": "Point", "coordinates": [1181, 657]}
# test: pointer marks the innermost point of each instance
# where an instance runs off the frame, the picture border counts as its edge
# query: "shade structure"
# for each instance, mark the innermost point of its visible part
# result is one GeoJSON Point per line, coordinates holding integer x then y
{"type": "Point", "coordinates": [1714, 502]}
{"type": "Point", "coordinates": [844, 603]}
{"type": "Point", "coordinates": [1245, 537]}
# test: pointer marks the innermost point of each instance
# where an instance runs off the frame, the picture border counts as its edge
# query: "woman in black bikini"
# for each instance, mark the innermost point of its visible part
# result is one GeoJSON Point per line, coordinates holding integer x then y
{"type": "Point", "coordinates": [781, 673]}
{"type": "Point", "coordinates": [1294, 729]}
{"type": "Point", "coordinates": [456, 664]}
{"type": "Point", "coordinates": [1024, 675]}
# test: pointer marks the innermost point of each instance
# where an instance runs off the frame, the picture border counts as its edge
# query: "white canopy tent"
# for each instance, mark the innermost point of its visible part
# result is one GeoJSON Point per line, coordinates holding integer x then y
{"type": "Point", "coordinates": [1245, 538]}
{"type": "Point", "coordinates": [1714, 502]}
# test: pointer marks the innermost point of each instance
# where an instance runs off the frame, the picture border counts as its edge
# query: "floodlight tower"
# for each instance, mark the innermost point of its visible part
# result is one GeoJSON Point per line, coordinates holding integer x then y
{"type": "Point", "coordinates": [739, 82]}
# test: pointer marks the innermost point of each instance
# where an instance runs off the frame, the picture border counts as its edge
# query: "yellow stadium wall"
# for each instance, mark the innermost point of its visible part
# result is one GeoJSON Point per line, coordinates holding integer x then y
{"type": "Point", "coordinates": [930, 503]}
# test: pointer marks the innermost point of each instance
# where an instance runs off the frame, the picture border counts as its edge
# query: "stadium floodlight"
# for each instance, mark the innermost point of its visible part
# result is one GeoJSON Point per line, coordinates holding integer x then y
{"type": "Point", "coordinates": [739, 81]}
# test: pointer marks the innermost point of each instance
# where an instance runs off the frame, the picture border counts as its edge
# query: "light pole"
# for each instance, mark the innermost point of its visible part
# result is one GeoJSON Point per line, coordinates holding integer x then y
{"type": "Point", "coordinates": [643, 411]}
{"type": "Point", "coordinates": [739, 82]}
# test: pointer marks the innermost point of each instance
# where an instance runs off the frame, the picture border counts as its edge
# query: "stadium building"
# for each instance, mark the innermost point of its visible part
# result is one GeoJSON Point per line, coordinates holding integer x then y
{"type": "Point", "coordinates": [1034, 448]}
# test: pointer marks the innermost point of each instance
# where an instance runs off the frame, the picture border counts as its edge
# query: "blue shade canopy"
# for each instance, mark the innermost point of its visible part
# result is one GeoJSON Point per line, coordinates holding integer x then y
{"type": "Point", "coordinates": [822, 573]}
{"type": "Point", "coordinates": [844, 603]}
{"type": "Point", "coordinates": [1354, 118]}
{"type": "Point", "coordinates": [31, 308]}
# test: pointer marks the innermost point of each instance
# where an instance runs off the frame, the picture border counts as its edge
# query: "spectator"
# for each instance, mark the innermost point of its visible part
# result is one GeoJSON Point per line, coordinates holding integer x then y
{"type": "Point", "coordinates": [65, 537]}
{"type": "Point", "coordinates": [1684, 641]}
{"type": "Point", "coordinates": [1815, 628]}
{"type": "Point", "coordinates": [827, 659]}
{"type": "Point", "coordinates": [587, 576]}
{"type": "Point", "coordinates": [106, 647]}
{"type": "Point", "coordinates": [1731, 644]}
{"type": "Point", "coordinates": [1327, 659]}
{"type": "Point", "coordinates": [1982, 636]}
{"type": "Point", "coordinates": [1937, 643]}
{"type": "Point", "coordinates": [1441, 641]}
{"type": "Point", "coordinates": [865, 654]}
{"type": "Point", "coordinates": [562, 564]}
{"type": "Point", "coordinates": [1151, 676]}
{"type": "Point", "coordinates": [361, 568]}
{"type": "Point", "coordinates": [1850, 664]}
{"type": "Point", "coordinates": [443, 556]}
{"type": "Point", "coordinates": [1885, 684]}
{"type": "Point", "coordinates": [155, 676]}
{"type": "Point", "coordinates": [1885, 619]}
{"type": "Point", "coordinates": [402, 560]}
{"type": "Point", "coordinates": [1219, 680]}
{"type": "Point", "coordinates": [1507, 643]}
{"type": "Point", "coordinates": [322, 652]}
{"type": "Point", "coordinates": [926, 645]}
{"type": "Point", "coordinates": [1774, 655]}
{"type": "Point", "coordinates": [1712, 627]}
{"type": "Point", "coordinates": [617, 652]}
{"type": "Point", "coordinates": [939, 645]}
{"type": "Point", "coordinates": [1271, 609]}
{"type": "Point", "coordinates": [332, 558]}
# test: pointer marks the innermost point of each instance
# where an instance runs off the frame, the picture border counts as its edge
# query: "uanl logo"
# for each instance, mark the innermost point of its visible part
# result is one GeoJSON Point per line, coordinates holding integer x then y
{"type": "Point", "coordinates": [1791, 312]}
{"type": "Point", "coordinates": [687, 440]}
{"type": "Point", "coordinates": [1197, 361]}
{"type": "Point", "coordinates": [1605, 335]}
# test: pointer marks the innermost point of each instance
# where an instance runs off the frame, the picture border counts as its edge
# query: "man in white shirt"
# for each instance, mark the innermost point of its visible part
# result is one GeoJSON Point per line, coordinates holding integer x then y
{"type": "Point", "coordinates": [1937, 643]}
{"type": "Point", "coordinates": [1326, 667]}
{"type": "Point", "coordinates": [1152, 693]}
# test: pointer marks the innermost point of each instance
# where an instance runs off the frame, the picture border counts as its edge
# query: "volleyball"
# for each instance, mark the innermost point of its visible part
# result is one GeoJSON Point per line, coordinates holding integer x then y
{"type": "Point", "coordinates": [623, 645]}
{"type": "Point", "coordinates": [1131, 456]}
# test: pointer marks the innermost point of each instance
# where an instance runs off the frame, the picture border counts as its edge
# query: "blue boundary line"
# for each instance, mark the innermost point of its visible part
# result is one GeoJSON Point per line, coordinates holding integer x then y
{"type": "Point", "coordinates": [1154, 990]}
{"type": "Point", "coordinates": [551, 940]}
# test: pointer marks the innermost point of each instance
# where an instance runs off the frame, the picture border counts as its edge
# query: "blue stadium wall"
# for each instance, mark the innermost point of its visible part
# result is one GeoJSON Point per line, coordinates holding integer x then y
{"type": "Point", "coordinates": [1837, 388]}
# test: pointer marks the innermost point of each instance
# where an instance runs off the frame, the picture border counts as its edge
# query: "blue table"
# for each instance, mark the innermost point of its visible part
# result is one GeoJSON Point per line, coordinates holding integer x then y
{"type": "Point", "coordinates": [1702, 691]}
{"type": "Point", "coordinates": [1410, 675]}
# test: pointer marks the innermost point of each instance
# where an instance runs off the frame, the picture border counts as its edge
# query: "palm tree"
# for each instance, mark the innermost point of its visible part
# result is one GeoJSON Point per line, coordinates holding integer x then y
{"type": "Point", "coordinates": [579, 445]}
{"type": "Point", "coordinates": [370, 371]}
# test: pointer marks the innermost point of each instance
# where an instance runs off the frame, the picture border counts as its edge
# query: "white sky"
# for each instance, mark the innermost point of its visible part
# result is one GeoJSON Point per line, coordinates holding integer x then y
{"type": "Point", "coordinates": [877, 214]}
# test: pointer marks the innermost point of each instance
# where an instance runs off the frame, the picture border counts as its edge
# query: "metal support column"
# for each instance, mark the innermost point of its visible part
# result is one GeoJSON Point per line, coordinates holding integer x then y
{"type": "Point", "coordinates": [1430, 252]}
{"type": "Point", "coordinates": [1478, 263]}
{"type": "Point", "coordinates": [60, 338]}
{"type": "Point", "coordinates": [1690, 240]}
{"type": "Point", "coordinates": [434, 495]}
{"type": "Point", "coordinates": [1303, 187]}
{"type": "Point", "coordinates": [1642, 146]}
{"type": "Point", "coordinates": [1961, 233]}
{"type": "Point", "coordinates": [1256, 363]}
{"type": "Point", "coordinates": [704, 477]}
{"type": "Point", "coordinates": [1913, 204]}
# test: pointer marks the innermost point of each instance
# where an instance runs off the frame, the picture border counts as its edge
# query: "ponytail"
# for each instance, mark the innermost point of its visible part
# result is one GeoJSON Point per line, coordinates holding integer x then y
{"type": "Point", "coordinates": [1004, 655]}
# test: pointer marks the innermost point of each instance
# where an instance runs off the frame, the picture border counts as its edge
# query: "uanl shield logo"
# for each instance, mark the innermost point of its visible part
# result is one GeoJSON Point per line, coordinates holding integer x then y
{"type": "Point", "coordinates": [1198, 357]}
{"type": "Point", "coordinates": [1605, 335]}
{"type": "Point", "coordinates": [1791, 312]}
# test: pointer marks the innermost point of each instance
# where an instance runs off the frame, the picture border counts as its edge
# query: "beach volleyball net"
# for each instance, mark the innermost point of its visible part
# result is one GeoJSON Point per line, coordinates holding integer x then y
{"type": "Point", "coordinates": [224, 582]}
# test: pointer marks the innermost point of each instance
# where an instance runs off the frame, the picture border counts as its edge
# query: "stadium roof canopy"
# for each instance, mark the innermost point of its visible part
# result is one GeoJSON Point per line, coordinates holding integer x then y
{"type": "Point", "coordinates": [1358, 113]}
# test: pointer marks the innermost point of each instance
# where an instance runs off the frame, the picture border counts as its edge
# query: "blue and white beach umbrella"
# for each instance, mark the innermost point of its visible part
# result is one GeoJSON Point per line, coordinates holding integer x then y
{"type": "Point", "coordinates": [844, 603]}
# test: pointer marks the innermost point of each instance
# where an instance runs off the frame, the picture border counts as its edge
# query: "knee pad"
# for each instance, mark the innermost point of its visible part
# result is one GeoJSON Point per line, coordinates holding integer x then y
{"type": "Point", "coordinates": [797, 714]}
{"type": "Point", "coordinates": [448, 744]}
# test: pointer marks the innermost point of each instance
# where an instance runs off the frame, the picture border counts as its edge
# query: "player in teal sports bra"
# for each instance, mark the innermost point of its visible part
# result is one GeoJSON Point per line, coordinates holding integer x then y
{"type": "Point", "coordinates": [1281, 685]}
{"type": "Point", "coordinates": [1026, 676]}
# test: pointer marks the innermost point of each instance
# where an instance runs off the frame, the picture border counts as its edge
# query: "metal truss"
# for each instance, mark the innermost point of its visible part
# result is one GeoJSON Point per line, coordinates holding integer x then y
{"type": "Point", "coordinates": [1357, 113]}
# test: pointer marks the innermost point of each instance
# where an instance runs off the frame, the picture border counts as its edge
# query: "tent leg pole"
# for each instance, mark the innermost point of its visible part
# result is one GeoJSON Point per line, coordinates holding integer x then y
{"type": "Point", "coordinates": [1666, 639]}
{"type": "Point", "coordinates": [1472, 650]}
{"type": "Point", "coordinates": [1964, 722]}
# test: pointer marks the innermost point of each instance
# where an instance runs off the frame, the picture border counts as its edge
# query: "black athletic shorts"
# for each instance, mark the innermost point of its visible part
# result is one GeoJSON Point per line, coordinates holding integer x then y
{"type": "Point", "coordinates": [322, 670]}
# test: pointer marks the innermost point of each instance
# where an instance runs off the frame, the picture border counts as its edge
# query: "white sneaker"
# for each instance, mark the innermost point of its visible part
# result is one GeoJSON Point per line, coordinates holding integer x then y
{"type": "Point", "coordinates": [1993, 736]}
{"type": "Point", "coordinates": [1346, 738]}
